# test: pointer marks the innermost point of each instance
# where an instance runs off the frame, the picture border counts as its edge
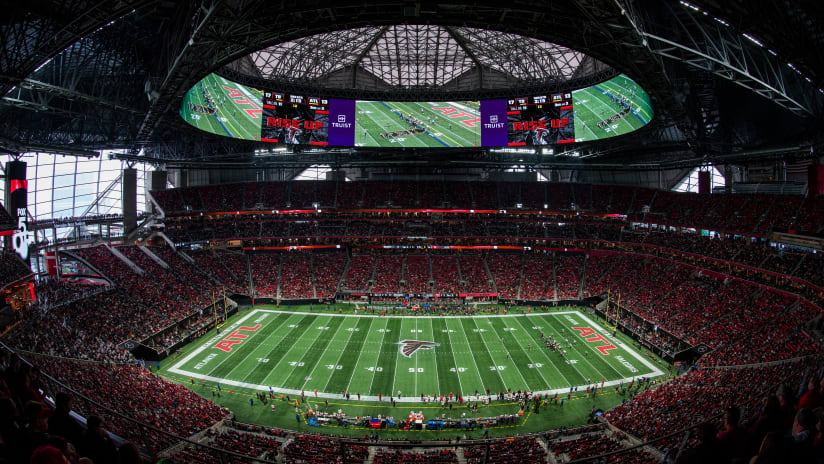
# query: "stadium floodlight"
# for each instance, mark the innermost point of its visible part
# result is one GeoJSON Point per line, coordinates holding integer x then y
{"type": "Point", "coordinates": [753, 39]}
{"type": "Point", "coordinates": [690, 6]}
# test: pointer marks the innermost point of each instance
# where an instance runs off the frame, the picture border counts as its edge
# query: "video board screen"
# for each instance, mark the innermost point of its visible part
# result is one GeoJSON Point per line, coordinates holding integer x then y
{"type": "Point", "coordinates": [223, 107]}
{"type": "Point", "coordinates": [528, 120]}
{"type": "Point", "coordinates": [613, 107]}
{"type": "Point", "coordinates": [417, 124]}
{"type": "Point", "coordinates": [295, 119]}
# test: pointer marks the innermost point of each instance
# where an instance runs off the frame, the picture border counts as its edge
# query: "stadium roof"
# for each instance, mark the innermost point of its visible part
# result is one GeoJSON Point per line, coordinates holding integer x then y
{"type": "Point", "coordinates": [421, 55]}
{"type": "Point", "coordinates": [727, 85]}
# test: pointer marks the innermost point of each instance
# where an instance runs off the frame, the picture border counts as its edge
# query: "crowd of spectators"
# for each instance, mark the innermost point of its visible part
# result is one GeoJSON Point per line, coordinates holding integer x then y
{"type": "Point", "coordinates": [359, 272]}
{"type": "Point", "coordinates": [11, 268]}
{"type": "Point", "coordinates": [51, 292]}
{"type": "Point", "coordinates": [265, 272]}
{"type": "Point", "coordinates": [524, 450]}
{"type": "Point", "coordinates": [229, 268]}
{"type": "Point", "coordinates": [474, 274]}
{"type": "Point", "coordinates": [327, 269]}
{"type": "Point", "coordinates": [296, 276]}
{"type": "Point", "coordinates": [313, 449]}
{"type": "Point", "coordinates": [744, 213]}
{"type": "Point", "coordinates": [446, 274]}
{"type": "Point", "coordinates": [538, 281]}
{"type": "Point", "coordinates": [248, 440]}
{"type": "Point", "coordinates": [568, 271]}
{"type": "Point", "coordinates": [506, 272]}
{"type": "Point", "coordinates": [416, 273]}
{"type": "Point", "coordinates": [594, 444]}
{"type": "Point", "coordinates": [387, 274]}
{"type": "Point", "coordinates": [27, 423]}
{"type": "Point", "coordinates": [90, 328]}
{"type": "Point", "coordinates": [389, 456]}
{"type": "Point", "coordinates": [763, 400]}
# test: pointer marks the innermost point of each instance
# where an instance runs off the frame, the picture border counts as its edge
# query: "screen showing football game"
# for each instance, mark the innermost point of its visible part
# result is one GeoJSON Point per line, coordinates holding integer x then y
{"type": "Point", "coordinates": [613, 107]}
{"type": "Point", "coordinates": [417, 124]}
{"type": "Point", "coordinates": [222, 107]}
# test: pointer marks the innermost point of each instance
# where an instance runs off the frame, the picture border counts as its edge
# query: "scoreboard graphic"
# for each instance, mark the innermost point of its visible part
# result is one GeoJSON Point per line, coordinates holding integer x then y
{"type": "Point", "coordinates": [295, 119]}
{"type": "Point", "coordinates": [608, 109]}
{"type": "Point", "coordinates": [540, 120]}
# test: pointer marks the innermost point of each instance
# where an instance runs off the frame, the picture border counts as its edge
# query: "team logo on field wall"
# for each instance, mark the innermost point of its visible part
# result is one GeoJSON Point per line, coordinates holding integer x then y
{"type": "Point", "coordinates": [409, 347]}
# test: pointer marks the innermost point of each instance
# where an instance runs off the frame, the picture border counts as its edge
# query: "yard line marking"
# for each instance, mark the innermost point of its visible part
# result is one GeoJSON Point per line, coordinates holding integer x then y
{"type": "Point", "coordinates": [510, 360]}
{"type": "Point", "coordinates": [338, 362]}
{"type": "Point", "coordinates": [302, 353]}
{"type": "Point", "coordinates": [560, 335]}
{"type": "Point", "coordinates": [320, 370]}
{"type": "Point", "coordinates": [212, 341]}
{"type": "Point", "coordinates": [546, 355]}
{"type": "Point", "coordinates": [480, 335]}
{"type": "Point", "coordinates": [524, 317]}
{"type": "Point", "coordinates": [518, 339]}
{"type": "Point", "coordinates": [312, 370]}
{"type": "Point", "coordinates": [455, 360]}
{"type": "Point", "coordinates": [254, 350]}
{"type": "Point", "coordinates": [380, 347]}
{"type": "Point", "coordinates": [435, 357]}
{"type": "Point", "coordinates": [371, 323]}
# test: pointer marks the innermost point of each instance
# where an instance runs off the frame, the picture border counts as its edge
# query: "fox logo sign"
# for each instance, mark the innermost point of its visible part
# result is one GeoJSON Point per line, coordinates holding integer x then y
{"type": "Point", "coordinates": [409, 347]}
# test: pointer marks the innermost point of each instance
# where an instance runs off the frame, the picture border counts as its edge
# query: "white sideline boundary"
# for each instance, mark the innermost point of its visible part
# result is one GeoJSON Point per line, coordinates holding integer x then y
{"type": "Point", "coordinates": [176, 369]}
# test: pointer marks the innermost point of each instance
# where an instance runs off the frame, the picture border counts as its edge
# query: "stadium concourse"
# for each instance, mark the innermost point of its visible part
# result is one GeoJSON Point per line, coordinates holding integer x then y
{"type": "Point", "coordinates": [758, 377]}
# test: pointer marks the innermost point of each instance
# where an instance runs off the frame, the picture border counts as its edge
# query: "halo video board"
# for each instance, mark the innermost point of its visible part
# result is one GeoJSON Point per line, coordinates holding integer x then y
{"type": "Point", "coordinates": [613, 107]}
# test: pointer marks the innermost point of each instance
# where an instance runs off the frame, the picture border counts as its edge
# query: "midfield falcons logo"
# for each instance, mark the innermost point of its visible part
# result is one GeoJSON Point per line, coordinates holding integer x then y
{"type": "Point", "coordinates": [409, 347]}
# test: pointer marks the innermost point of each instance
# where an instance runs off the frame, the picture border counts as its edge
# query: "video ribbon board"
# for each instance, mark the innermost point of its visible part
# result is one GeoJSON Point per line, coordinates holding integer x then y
{"type": "Point", "coordinates": [307, 120]}
{"type": "Point", "coordinates": [613, 107]}
{"type": "Point", "coordinates": [528, 121]}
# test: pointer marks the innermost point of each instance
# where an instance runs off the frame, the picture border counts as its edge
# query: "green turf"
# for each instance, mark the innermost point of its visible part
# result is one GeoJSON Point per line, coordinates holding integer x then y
{"type": "Point", "coordinates": [238, 114]}
{"type": "Point", "coordinates": [446, 129]}
{"type": "Point", "coordinates": [339, 353]}
{"type": "Point", "coordinates": [592, 105]}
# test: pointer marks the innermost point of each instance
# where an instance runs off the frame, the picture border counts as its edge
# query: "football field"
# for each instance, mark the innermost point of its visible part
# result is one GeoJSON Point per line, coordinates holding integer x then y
{"type": "Point", "coordinates": [289, 352]}
{"type": "Point", "coordinates": [223, 107]}
{"type": "Point", "coordinates": [594, 105]}
{"type": "Point", "coordinates": [448, 124]}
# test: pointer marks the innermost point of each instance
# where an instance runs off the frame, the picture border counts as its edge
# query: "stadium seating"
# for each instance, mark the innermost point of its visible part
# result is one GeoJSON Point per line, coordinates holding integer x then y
{"type": "Point", "coordinates": [151, 400]}
{"type": "Point", "coordinates": [252, 441]}
{"type": "Point", "coordinates": [11, 268]}
{"type": "Point", "coordinates": [446, 456]}
{"type": "Point", "coordinates": [296, 276]}
{"type": "Point", "coordinates": [310, 449]}
{"type": "Point", "coordinates": [473, 272]}
{"type": "Point", "coordinates": [525, 450]}
{"type": "Point", "coordinates": [327, 269]}
{"type": "Point", "coordinates": [387, 274]}
{"type": "Point", "coordinates": [594, 444]}
{"type": "Point", "coordinates": [417, 274]}
{"type": "Point", "coordinates": [265, 270]}
{"type": "Point", "coordinates": [677, 289]}
{"type": "Point", "coordinates": [506, 272]}
{"type": "Point", "coordinates": [755, 214]}
{"type": "Point", "coordinates": [359, 272]}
